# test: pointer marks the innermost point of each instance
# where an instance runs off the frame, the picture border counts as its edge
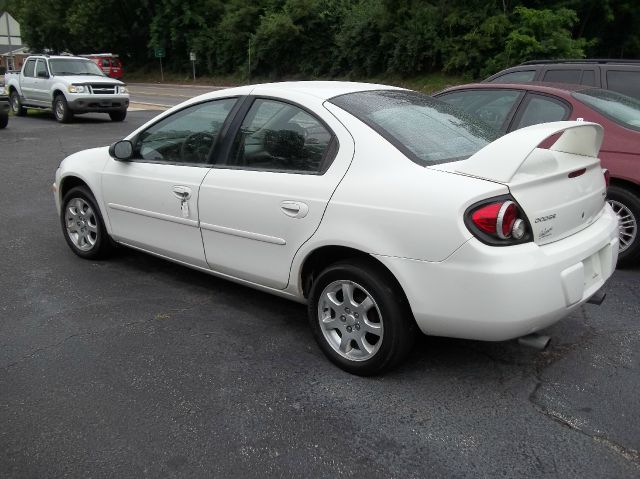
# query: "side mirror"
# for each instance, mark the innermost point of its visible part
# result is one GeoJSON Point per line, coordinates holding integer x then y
{"type": "Point", "coordinates": [42, 74]}
{"type": "Point", "coordinates": [121, 150]}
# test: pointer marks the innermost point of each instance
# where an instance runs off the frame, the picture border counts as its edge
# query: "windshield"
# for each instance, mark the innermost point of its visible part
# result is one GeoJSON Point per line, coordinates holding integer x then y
{"type": "Point", "coordinates": [426, 130]}
{"type": "Point", "coordinates": [74, 66]}
{"type": "Point", "coordinates": [622, 109]}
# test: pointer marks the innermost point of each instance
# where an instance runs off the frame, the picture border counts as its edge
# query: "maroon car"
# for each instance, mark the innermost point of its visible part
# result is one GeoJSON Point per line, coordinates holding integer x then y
{"type": "Point", "coordinates": [508, 107]}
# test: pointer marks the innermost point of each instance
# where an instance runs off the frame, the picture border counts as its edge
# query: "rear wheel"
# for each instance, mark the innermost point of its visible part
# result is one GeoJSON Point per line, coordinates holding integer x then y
{"type": "Point", "coordinates": [4, 120]}
{"type": "Point", "coordinates": [61, 109]}
{"type": "Point", "coordinates": [360, 318]}
{"type": "Point", "coordinates": [627, 206]}
{"type": "Point", "coordinates": [82, 224]}
{"type": "Point", "coordinates": [16, 104]}
{"type": "Point", "coordinates": [118, 115]}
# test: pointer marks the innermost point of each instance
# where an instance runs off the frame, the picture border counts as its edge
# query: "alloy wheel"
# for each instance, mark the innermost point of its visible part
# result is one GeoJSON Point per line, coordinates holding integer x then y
{"type": "Point", "coordinates": [81, 224]}
{"type": "Point", "coordinates": [350, 320]}
{"type": "Point", "coordinates": [627, 224]}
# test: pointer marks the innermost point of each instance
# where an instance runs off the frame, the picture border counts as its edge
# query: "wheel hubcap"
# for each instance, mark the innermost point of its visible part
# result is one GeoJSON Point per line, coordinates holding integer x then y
{"type": "Point", "coordinates": [59, 109]}
{"type": "Point", "coordinates": [350, 320]}
{"type": "Point", "coordinates": [627, 224]}
{"type": "Point", "coordinates": [81, 223]}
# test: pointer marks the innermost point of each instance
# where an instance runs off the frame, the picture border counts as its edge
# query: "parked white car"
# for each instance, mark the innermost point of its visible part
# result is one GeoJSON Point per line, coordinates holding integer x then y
{"type": "Point", "coordinates": [66, 85]}
{"type": "Point", "coordinates": [385, 210]}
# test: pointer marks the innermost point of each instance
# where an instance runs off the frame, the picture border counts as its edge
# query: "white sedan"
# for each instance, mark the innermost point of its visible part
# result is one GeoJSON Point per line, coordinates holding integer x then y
{"type": "Point", "coordinates": [386, 211]}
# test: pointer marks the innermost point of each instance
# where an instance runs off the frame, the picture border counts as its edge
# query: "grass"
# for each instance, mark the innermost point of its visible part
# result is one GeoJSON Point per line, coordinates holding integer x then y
{"type": "Point", "coordinates": [428, 83]}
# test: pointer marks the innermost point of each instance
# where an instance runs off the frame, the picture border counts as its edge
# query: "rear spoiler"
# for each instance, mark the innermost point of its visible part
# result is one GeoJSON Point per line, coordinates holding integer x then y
{"type": "Point", "coordinates": [501, 159]}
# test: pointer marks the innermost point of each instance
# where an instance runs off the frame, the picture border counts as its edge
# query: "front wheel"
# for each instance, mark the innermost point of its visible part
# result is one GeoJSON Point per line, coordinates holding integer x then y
{"type": "Point", "coordinates": [118, 115]}
{"type": "Point", "coordinates": [61, 109]}
{"type": "Point", "coordinates": [360, 317]}
{"type": "Point", "coordinates": [4, 120]}
{"type": "Point", "coordinates": [627, 206]}
{"type": "Point", "coordinates": [82, 225]}
{"type": "Point", "coordinates": [16, 104]}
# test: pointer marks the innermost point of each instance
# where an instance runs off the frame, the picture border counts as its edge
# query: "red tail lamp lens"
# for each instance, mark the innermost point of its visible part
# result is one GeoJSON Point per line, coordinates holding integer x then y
{"type": "Point", "coordinates": [486, 218]}
{"type": "Point", "coordinates": [506, 217]}
{"type": "Point", "coordinates": [496, 218]}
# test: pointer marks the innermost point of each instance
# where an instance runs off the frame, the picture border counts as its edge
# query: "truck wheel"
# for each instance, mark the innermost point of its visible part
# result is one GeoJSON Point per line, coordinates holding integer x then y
{"type": "Point", "coordinates": [118, 115]}
{"type": "Point", "coordinates": [16, 104]}
{"type": "Point", "coordinates": [627, 206]}
{"type": "Point", "coordinates": [4, 120]}
{"type": "Point", "coordinates": [61, 109]}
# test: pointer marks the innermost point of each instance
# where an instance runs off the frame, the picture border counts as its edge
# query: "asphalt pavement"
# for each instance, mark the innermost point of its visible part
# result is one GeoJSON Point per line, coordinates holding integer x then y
{"type": "Point", "coordinates": [136, 367]}
{"type": "Point", "coordinates": [159, 96]}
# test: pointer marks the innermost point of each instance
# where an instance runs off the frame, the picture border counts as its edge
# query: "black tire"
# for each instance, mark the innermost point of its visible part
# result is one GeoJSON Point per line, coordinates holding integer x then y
{"type": "Point", "coordinates": [398, 326]}
{"type": "Point", "coordinates": [4, 120]}
{"type": "Point", "coordinates": [16, 104]}
{"type": "Point", "coordinates": [627, 205]}
{"type": "Point", "coordinates": [97, 243]}
{"type": "Point", "coordinates": [118, 115]}
{"type": "Point", "coordinates": [61, 109]}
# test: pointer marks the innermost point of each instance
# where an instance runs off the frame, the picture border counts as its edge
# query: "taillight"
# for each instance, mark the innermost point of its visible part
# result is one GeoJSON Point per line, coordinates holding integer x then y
{"type": "Point", "coordinates": [498, 221]}
{"type": "Point", "coordinates": [607, 177]}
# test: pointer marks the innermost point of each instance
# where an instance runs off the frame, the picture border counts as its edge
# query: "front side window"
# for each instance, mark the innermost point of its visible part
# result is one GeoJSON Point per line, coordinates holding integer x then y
{"type": "Point", "coordinates": [621, 109]}
{"type": "Point", "coordinates": [426, 130]}
{"type": "Point", "coordinates": [277, 136]}
{"type": "Point", "coordinates": [540, 109]}
{"type": "Point", "coordinates": [491, 106]}
{"type": "Point", "coordinates": [186, 137]}
{"type": "Point", "coordinates": [625, 82]}
{"type": "Point", "coordinates": [29, 68]}
{"type": "Point", "coordinates": [74, 66]}
{"type": "Point", "coordinates": [516, 77]}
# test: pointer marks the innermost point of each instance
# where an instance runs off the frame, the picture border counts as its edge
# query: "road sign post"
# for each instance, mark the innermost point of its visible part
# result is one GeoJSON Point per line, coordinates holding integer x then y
{"type": "Point", "coordinates": [159, 54]}
{"type": "Point", "coordinates": [192, 57]}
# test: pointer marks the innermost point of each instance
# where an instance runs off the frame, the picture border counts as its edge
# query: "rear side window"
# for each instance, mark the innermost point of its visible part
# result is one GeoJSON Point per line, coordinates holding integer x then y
{"type": "Point", "coordinates": [516, 77]}
{"type": "Point", "coordinates": [563, 76]}
{"type": "Point", "coordinates": [426, 130]}
{"type": "Point", "coordinates": [29, 68]}
{"type": "Point", "coordinates": [622, 109]}
{"type": "Point", "coordinates": [277, 136]}
{"type": "Point", "coordinates": [625, 82]}
{"type": "Point", "coordinates": [540, 109]}
{"type": "Point", "coordinates": [491, 106]}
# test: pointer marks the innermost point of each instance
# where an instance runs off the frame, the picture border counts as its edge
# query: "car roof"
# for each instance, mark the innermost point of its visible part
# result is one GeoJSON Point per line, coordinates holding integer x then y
{"type": "Point", "coordinates": [543, 87]}
{"type": "Point", "coordinates": [323, 90]}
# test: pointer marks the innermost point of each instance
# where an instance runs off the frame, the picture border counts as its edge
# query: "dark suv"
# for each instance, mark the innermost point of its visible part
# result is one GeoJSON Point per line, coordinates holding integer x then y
{"type": "Point", "coordinates": [622, 76]}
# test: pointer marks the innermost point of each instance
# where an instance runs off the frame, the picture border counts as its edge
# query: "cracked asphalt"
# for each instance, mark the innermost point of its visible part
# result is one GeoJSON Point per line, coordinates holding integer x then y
{"type": "Point", "coordinates": [136, 367]}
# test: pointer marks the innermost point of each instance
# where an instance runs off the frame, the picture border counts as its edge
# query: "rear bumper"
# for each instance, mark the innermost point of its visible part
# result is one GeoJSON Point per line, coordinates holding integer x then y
{"type": "Point", "coordinates": [499, 293]}
{"type": "Point", "coordinates": [98, 103]}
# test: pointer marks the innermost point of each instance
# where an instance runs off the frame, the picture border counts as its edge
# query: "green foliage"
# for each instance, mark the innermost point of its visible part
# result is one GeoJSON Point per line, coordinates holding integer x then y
{"type": "Point", "coordinates": [346, 38]}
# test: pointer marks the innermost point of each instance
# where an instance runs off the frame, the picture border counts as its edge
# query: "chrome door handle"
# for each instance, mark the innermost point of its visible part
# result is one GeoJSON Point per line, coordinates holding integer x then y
{"type": "Point", "coordinates": [294, 209]}
{"type": "Point", "coordinates": [182, 192]}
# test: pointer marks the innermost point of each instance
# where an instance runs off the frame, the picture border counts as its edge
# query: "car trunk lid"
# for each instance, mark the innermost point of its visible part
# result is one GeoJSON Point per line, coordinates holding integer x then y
{"type": "Point", "coordinates": [561, 189]}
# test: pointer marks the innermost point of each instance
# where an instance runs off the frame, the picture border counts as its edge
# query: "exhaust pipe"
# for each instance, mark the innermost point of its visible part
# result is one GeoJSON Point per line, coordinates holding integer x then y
{"type": "Point", "coordinates": [597, 298]}
{"type": "Point", "coordinates": [535, 340]}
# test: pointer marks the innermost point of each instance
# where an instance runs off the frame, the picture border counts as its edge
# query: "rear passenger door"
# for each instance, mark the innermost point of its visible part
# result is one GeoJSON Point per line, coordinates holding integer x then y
{"type": "Point", "coordinates": [283, 163]}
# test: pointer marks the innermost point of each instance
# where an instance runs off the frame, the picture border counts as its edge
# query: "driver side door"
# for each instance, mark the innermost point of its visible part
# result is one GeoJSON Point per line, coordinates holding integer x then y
{"type": "Point", "coordinates": [152, 199]}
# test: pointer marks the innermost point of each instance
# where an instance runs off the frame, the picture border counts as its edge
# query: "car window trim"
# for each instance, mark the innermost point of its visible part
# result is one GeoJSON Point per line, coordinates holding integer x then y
{"type": "Point", "coordinates": [527, 98]}
{"type": "Point", "coordinates": [327, 159]}
{"type": "Point", "coordinates": [514, 107]}
{"type": "Point", "coordinates": [214, 149]}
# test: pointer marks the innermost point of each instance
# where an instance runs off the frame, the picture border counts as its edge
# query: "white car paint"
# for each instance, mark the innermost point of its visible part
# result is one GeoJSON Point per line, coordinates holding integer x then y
{"type": "Point", "coordinates": [375, 200]}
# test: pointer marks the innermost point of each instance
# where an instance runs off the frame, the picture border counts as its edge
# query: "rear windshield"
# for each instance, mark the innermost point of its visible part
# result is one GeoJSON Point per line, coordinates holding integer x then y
{"type": "Point", "coordinates": [622, 109]}
{"type": "Point", "coordinates": [426, 130]}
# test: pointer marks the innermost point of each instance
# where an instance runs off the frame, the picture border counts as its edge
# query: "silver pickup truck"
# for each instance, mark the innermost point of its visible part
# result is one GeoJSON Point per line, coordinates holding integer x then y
{"type": "Point", "coordinates": [68, 86]}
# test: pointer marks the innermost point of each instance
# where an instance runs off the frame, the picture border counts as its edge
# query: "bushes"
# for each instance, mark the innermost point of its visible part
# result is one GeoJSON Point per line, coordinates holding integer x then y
{"type": "Point", "coordinates": [352, 38]}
